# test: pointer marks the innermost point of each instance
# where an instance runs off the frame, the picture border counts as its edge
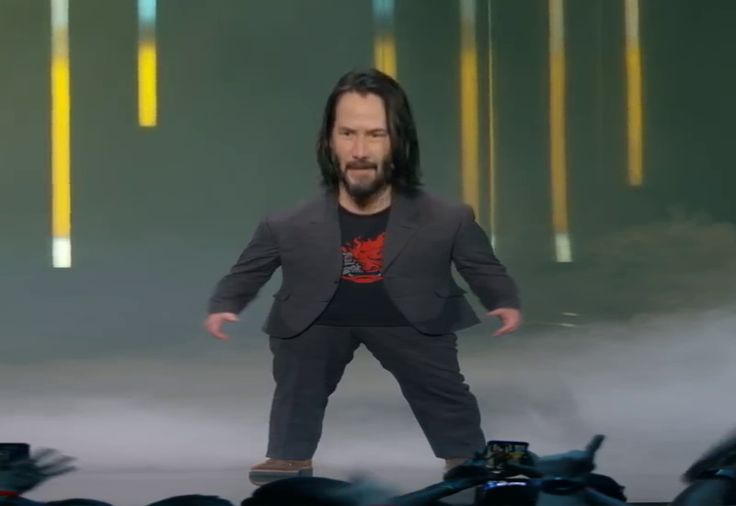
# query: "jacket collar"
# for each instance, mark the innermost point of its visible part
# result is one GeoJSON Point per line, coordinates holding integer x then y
{"type": "Point", "coordinates": [404, 219]}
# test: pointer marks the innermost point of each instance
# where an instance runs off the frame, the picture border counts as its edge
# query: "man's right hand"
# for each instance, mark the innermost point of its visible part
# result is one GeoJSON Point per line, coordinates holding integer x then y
{"type": "Point", "coordinates": [214, 323]}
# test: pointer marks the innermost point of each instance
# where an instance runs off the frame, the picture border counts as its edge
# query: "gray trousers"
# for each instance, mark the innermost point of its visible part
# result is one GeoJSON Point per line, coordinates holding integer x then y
{"type": "Point", "coordinates": [307, 369]}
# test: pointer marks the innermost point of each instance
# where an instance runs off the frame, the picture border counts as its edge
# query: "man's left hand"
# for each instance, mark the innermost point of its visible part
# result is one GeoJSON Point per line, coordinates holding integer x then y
{"type": "Point", "coordinates": [510, 320]}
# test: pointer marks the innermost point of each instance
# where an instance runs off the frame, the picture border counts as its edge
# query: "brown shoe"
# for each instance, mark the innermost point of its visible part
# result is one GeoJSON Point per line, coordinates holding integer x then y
{"type": "Point", "coordinates": [276, 469]}
{"type": "Point", "coordinates": [454, 462]}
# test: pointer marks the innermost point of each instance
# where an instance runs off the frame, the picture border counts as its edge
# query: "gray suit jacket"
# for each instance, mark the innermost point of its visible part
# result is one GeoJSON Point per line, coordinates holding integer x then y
{"type": "Point", "coordinates": [424, 237]}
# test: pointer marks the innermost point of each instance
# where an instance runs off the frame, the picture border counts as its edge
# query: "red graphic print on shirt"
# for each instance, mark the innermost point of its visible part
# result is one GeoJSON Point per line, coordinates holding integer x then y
{"type": "Point", "coordinates": [363, 260]}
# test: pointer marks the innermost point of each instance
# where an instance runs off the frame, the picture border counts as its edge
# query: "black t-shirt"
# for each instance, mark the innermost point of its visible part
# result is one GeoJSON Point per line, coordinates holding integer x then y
{"type": "Point", "coordinates": [361, 299]}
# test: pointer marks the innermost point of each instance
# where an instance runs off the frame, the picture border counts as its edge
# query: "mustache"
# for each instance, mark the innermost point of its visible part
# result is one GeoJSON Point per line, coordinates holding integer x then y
{"type": "Point", "coordinates": [360, 164]}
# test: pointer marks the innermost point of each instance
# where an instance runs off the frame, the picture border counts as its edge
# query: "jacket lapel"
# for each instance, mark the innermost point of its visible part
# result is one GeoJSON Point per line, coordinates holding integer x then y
{"type": "Point", "coordinates": [402, 223]}
{"type": "Point", "coordinates": [324, 220]}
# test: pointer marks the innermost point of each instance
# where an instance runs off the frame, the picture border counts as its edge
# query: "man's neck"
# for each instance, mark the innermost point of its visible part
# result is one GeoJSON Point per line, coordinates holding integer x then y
{"type": "Point", "coordinates": [379, 202]}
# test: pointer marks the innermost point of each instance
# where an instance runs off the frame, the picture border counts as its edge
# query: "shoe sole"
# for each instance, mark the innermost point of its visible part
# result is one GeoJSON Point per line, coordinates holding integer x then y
{"type": "Point", "coordinates": [262, 477]}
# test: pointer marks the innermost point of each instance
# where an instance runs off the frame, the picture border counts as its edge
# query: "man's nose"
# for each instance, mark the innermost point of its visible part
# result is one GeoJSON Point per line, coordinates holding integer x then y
{"type": "Point", "coordinates": [359, 148]}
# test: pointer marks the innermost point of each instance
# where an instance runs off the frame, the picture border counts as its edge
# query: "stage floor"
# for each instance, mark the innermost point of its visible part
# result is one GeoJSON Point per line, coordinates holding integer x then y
{"type": "Point", "coordinates": [147, 428]}
{"type": "Point", "coordinates": [138, 488]}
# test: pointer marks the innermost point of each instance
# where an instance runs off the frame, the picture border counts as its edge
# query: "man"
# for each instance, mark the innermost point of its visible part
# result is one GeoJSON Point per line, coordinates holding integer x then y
{"type": "Point", "coordinates": [368, 262]}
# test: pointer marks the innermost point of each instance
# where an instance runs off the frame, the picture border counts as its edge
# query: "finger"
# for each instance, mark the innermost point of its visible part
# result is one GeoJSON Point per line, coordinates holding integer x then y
{"type": "Point", "coordinates": [51, 463]}
{"type": "Point", "coordinates": [231, 317]}
{"type": "Point", "coordinates": [44, 454]}
{"type": "Point", "coordinates": [220, 335]}
{"type": "Point", "coordinates": [507, 328]}
{"type": "Point", "coordinates": [506, 316]}
{"type": "Point", "coordinates": [214, 329]}
{"type": "Point", "coordinates": [501, 313]}
{"type": "Point", "coordinates": [58, 463]}
{"type": "Point", "coordinates": [48, 457]}
{"type": "Point", "coordinates": [595, 444]}
{"type": "Point", "coordinates": [59, 460]}
{"type": "Point", "coordinates": [57, 471]}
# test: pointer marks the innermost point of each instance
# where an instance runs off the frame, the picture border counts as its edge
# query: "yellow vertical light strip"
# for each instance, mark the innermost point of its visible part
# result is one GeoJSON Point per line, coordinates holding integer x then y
{"type": "Point", "coordinates": [635, 125]}
{"type": "Point", "coordinates": [147, 64]}
{"type": "Point", "coordinates": [492, 180]}
{"type": "Point", "coordinates": [384, 43]}
{"type": "Point", "coordinates": [60, 136]}
{"type": "Point", "coordinates": [469, 106]}
{"type": "Point", "coordinates": [558, 154]}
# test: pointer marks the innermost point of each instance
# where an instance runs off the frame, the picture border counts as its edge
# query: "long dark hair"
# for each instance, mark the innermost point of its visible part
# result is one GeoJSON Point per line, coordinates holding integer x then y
{"type": "Point", "coordinates": [405, 173]}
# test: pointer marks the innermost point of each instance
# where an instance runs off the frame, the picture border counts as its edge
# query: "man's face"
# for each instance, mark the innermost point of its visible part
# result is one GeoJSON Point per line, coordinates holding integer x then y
{"type": "Point", "coordinates": [361, 144]}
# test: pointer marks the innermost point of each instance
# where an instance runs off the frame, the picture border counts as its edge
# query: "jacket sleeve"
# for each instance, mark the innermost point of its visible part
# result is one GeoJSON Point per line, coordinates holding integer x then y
{"type": "Point", "coordinates": [476, 262]}
{"type": "Point", "coordinates": [254, 268]}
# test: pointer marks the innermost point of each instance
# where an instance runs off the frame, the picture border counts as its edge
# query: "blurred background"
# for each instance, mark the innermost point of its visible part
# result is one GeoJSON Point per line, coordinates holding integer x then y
{"type": "Point", "coordinates": [141, 141]}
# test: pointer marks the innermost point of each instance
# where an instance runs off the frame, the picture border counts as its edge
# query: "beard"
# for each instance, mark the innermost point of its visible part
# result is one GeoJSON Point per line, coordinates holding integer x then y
{"type": "Point", "coordinates": [364, 189]}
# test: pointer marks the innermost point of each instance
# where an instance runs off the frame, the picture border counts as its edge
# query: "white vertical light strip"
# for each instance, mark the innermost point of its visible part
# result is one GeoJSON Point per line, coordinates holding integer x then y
{"type": "Point", "coordinates": [635, 120]}
{"type": "Point", "coordinates": [384, 42]}
{"type": "Point", "coordinates": [558, 137]}
{"type": "Point", "coordinates": [60, 136]}
{"type": "Point", "coordinates": [469, 141]}
{"type": "Point", "coordinates": [492, 180]}
{"type": "Point", "coordinates": [147, 64]}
